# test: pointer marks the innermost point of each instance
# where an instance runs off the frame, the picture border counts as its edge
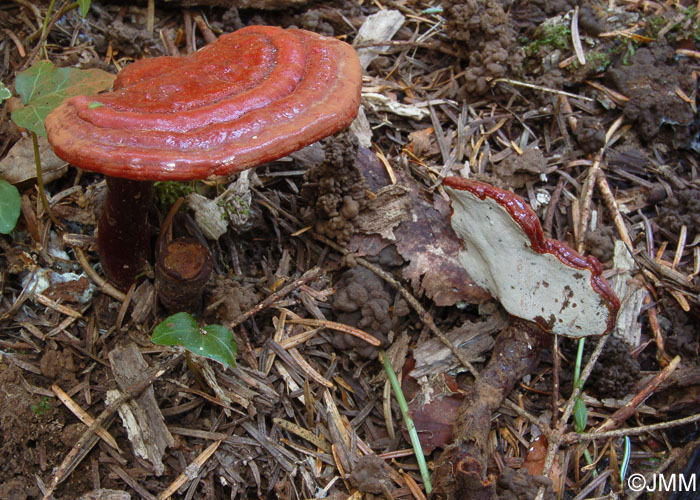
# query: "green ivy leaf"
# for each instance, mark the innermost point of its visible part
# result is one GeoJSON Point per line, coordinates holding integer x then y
{"type": "Point", "coordinates": [83, 6]}
{"type": "Point", "coordinates": [43, 87]}
{"type": "Point", "coordinates": [580, 415]}
{"type": "Point", "coordinates": [213, 341]}
{"type": "Point", "coordinates": [10, 204]}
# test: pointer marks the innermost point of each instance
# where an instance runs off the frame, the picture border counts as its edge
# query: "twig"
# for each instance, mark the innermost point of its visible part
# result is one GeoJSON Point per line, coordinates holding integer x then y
{"type": "Point", "coordinates": [44, 34]}
{"type": "Point", "coordinates": [40, 183]}
{"type": "Point", "coordinates": [340, 327]}
{"type": "Point", "coordinates": [544, 429]}
{"type": "Point", "coordinates": [543, 89]}
{"type": "Point", "coordinates": [83, 416]}
{"type": "Point", "coordinates": [556, 438]}
{"type": "Point", "coordinates": [627, 410]}
{"type": "Point", "coordinates": [585, 203]}
{"type": "Point", "coordinates": [207, 33]}
{"type": "Point", "coordinates": [309, 275]}
{"type": "Point", "coordinates": [552, 208]}
{"type": "Point", "coordinates": [611, 204]}
{"type": "Point", "coordinates": [183, 477]}
{"type": "Point", "coordinates": [96, 278]}
{"type": "Point", "coordinates": [150, 16]}
{"type": "Point", "coordinates": [575, 437]}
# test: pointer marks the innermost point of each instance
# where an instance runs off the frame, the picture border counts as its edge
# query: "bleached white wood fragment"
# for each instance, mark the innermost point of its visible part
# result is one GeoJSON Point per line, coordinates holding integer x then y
{"type": "Point", "coordinates": [379, 27]}
{"type": "Point", "coordinates": [631, 294]}
{"type": "Point", "coordinates": [361, 129]}
{"type": "Point", "coordinates": [381, 103]}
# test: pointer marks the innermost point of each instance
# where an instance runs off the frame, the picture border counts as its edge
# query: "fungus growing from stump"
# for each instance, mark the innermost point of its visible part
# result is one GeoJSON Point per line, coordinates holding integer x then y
{"type": "Point", "coordinates": [248, 98]}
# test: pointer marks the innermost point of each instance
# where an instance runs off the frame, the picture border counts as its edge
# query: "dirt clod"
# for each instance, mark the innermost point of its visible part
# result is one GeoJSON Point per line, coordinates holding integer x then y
{"type": "Point", "coordinates": [601, 243]}
{"type": "Point", "coordinates": [485, 35]}
{"type": "Point", "coordinates": [682, 209]}
{"type": "Point", "coordinates": [517, 169]}
{"type": "Point", "coordinates": [58, 365]}
{"type": "Point", "coordinates": [363, 301]}
{"type": "Point", "coordinates": [519, 485]}
{"type": "Point", "coordinates": [234, 297]}
{"type": "Point", "coordinates": [335, 191]}
{"type": "Point", "coordinates": [681, 332]}
{"type": "Point", "coordinates": [650, 83]}
{"type": "Point", "coordinates": [369, 475]}
{"type": "Point", "coordinates": [30, 438]}
{"type": "Point", "coordinates": [614, 374]}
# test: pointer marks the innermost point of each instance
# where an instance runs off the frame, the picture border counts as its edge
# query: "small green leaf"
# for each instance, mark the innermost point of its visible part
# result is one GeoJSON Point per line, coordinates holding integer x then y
{"type": "Point", "coordinates": [580, 415]}
{"type": "Point", "coordinates": [43, 87]}
{"type": "Point", "coordinates": [10, 204]}
{"type": "Point", "coordinates": [95, 104]}
{"type": "Point", "coordinates": [84, 6]}
{"type": "Point", "coordinates": [5, 93]}
{"type": "Point", "coordinates": [213, 341]}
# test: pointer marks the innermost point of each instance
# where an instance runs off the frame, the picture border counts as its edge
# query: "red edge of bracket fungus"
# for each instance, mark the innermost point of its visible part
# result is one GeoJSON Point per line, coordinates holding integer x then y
{"type": "Point", "coordinates": [521, 213]}
{"type": "Point", "coordinates": [250, 97]}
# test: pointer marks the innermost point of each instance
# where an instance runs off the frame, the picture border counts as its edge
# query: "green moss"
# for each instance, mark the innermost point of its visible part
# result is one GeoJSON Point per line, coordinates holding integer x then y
{"type": "Point", "coordinates": [688, 28]}
{"type": "Point", "coordinates": [168, 192]}
{"type": "Point", "coordinates": [597, 60]}
{"type": "Point", "coordinates": [549, 37]}
{"type": "Point", "coordinates": [630, 48]}
{"type": "Point", "coordinates": [654, 26]}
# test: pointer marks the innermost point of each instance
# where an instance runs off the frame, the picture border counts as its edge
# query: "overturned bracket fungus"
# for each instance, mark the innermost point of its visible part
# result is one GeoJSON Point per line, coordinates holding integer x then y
{"type": "Point", "coordinates": [535, 278]}
{"type": "Point", "coordinates": [250, 97]}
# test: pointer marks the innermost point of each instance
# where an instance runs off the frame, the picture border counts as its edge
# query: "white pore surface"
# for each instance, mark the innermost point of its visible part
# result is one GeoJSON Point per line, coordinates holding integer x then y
{"type": "Point", "coordinates": [498, 255]}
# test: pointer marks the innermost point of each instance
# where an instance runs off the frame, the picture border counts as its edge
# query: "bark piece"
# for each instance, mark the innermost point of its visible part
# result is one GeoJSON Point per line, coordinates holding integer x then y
{"type": "Point", "coordinates": [141, 416]}
{"type": "Point", "coordinates": [472, 339]}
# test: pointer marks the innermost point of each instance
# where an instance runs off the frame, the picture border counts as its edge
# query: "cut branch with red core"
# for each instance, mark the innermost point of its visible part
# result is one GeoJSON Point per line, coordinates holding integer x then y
{"type": "Point", "coordinates": [250, 97]}
{"type": "Point", "coordinates": [535, 278]}
{"type": "Point", "coordinates": [183, 267]}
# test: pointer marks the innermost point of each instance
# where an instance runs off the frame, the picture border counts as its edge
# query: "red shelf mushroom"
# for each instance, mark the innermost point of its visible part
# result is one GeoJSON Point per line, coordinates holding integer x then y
{"type": "Point", "coordinates": [250, 97]}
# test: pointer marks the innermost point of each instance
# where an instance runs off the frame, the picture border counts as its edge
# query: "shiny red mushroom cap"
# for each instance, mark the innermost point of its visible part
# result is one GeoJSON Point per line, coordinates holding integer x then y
{"type": "Point", "coordinates": [535, 278]}
{"type": "Point", "coordinates": [250, 97]}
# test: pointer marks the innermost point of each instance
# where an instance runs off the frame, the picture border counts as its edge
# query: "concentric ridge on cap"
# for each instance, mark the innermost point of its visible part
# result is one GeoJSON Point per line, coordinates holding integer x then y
{"type": "Point", "coordinates": [269, 92]}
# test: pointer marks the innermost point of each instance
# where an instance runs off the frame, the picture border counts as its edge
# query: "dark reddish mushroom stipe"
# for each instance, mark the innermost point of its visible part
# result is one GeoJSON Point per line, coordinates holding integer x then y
{"type": "Point", "coordinates": [252, 96]}
{"type": "Point", "coordinates": [526, 218]}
